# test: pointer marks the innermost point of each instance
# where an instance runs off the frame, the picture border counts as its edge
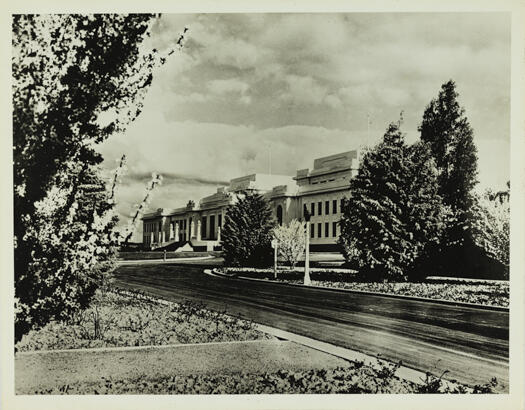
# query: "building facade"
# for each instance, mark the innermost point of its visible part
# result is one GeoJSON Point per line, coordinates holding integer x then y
{"type": "Point", "coordinates": [321, 189]}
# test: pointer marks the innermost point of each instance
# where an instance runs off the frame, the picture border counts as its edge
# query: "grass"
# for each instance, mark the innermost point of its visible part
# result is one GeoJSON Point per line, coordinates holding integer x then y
{"type": "Point", "coordinates": [124, 318]}
{"type": "Point", "coordinates": [491, 293]}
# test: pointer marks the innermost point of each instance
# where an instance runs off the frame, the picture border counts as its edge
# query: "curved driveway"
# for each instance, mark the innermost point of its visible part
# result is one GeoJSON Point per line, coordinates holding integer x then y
{"type": "Point", "coordinates": [471, 343]}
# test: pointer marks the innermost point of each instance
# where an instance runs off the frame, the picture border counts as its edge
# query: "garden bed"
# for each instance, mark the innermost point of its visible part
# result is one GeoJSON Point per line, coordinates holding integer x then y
{"type": "Point", "coordinates": [354, 378]}
{"type": "Point", "coordinates": [489, 293]}
{"type": "Point", "coordinates": [123, 318]}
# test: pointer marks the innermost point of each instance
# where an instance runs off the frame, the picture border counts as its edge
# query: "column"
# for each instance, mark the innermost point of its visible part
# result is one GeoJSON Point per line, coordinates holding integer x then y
{"type": "Point", "coordinates": [162, 232]}
{"type": "Point", "coordinates": [177, 232]}
{"type": "Point", "coordinates": [199, 228]}
{"type": "Point", "coordinates": [192, 228]}
{"type": "Point", "coordinates": [218, 233]}
{"type": "Point", "coordinates": [171, 232]}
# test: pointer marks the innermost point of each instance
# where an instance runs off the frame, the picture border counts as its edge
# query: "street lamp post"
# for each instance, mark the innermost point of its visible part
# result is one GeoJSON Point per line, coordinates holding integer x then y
{"type": "Point", "coordinates": [274, 246]}
{"type": "Point", "coordinates": [307, 280]}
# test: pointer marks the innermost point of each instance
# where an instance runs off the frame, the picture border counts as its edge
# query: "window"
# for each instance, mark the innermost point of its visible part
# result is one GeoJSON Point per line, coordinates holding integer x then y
{"type": "Point", "coordinates": [326, 230]}
{"type": "Point", "coordinates": [319, 233]}
{"type": "Point", "coordinates": [280, 215]}
{"type": "Point", "coordinates": [312, 230]}
{"type": "Point", "coordinates": [212, 226]}
{"type": "Point", "coordinates": [342, 204]}
{"type": "Point", "coordinates": [334, 206]}
{"type": "Point", "coordinates": [320, 208]}
{"type": "Point", "coordinates": [220, 221]}
{"type": "Point", "coordinates": [327, 207]}
{"type": "Point", "coordinates": [334, 229]}
{"type": "Point", "coordinates": [203, 227]}
{"type": "Point", "coordinates": [312, 209]}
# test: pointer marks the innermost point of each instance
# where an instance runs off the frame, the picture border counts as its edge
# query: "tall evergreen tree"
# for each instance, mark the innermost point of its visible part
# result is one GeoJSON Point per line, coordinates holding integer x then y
{"type": "Point", "coordinates": [248, 232]}
{"type": "Point", "coordinates": [394, 212]}
{"type": "Point", "coordinates": [447, 131]}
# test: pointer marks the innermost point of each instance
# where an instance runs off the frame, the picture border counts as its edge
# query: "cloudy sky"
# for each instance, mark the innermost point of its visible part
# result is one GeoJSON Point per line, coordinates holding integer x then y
{"type": "Point", "coordinates": [302, 85]}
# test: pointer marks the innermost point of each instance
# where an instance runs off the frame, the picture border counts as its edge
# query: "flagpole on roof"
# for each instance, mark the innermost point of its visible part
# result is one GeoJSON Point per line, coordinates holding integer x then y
{"type": "Point", "coordinates": [270, 159]}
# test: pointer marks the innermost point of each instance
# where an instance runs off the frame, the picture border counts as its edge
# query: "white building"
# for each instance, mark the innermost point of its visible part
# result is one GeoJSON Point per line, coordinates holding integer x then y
{"type": "Point", "coordinates": [321, 189]}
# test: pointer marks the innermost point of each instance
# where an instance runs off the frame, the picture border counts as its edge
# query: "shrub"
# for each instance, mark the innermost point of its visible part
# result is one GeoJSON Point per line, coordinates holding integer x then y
{"type": "Point", "coordinates": [394, 213]}
{"type": "Point", "coordinates": [247, 233]}
{"type": "Point", "coordinates": [291, 241]}
{"type": "Point", "coordinates": [491, 228]}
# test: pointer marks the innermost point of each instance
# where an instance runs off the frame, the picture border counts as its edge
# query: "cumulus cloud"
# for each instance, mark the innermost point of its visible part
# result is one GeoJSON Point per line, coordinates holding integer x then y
{"type": "Point", "coordinates": [303, 86]}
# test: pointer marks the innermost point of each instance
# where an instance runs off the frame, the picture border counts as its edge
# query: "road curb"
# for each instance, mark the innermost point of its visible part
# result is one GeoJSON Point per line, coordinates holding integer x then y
{"type": "Point", "coordinates": [387, 295]}
{"type": "Point", "coordinates": [169, 260]}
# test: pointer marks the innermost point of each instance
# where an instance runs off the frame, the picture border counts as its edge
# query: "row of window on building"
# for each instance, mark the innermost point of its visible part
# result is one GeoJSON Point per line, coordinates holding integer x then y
{"type": "Point", "coordinates": [204, 223]}
{"type": "Point", "coordinates": [182, 224]}
{"type": "Point", "coordinates": [327, 233]}
{"type": "Point", "coordinates": [151, 227]}
{"type": "Point", "coordinates": [319, 207]}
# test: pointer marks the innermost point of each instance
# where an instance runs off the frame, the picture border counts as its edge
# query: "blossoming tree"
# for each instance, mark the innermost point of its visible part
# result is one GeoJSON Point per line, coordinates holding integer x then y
{"type": "Point", "coordinates": [69, 72]}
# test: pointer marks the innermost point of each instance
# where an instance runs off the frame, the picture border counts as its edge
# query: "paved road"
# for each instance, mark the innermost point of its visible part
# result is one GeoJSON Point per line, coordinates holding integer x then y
{"type": "Point", "coordinates": [471, 343]}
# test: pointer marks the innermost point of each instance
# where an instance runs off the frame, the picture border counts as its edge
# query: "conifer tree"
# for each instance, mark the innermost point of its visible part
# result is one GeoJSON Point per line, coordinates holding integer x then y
{"type": "Point", "coordinates": [248, 231]}
{"type": "Point", "coordinates": [447, 131]}
{"type": "Point", "coordinates": [394, 213]}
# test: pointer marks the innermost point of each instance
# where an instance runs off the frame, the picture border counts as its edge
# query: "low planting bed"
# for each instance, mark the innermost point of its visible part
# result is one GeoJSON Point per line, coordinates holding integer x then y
{"type": "Point", "coordinates": [490, 293]}
{"type": "Point", "coordinates": [354, 378]}
{"type": "Point", "coordinates": [119, 317]}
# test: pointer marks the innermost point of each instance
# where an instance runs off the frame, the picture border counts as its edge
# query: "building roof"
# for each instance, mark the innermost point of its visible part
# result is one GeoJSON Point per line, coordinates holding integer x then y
{"type": "Point", "coordinates": [330, 164]}
{"type": "Point", "coordinates": [259, 182]}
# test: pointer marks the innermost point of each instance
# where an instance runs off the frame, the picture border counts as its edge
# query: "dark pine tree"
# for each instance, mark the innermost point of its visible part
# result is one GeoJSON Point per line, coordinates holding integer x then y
{"type": "Point", "coordinates": [450, 137]}
{"type": "Point", "coordinates": [247, 232]}
{"type": "Point", "coordinates": [394, 212]}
